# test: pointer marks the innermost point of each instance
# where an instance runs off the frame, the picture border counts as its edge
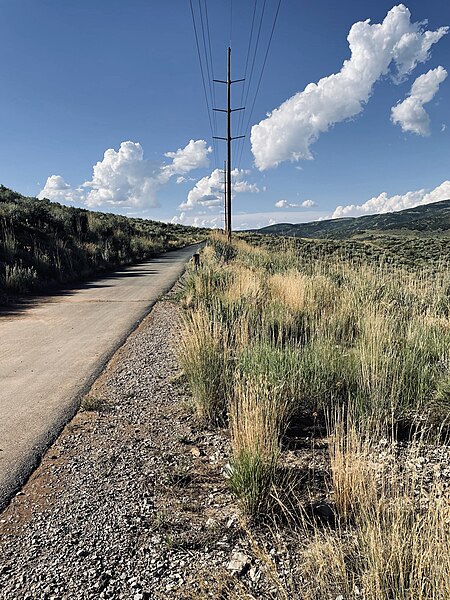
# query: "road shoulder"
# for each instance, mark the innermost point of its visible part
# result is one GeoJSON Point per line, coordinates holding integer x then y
{"type": "Point", "coordinates": [131, 498]}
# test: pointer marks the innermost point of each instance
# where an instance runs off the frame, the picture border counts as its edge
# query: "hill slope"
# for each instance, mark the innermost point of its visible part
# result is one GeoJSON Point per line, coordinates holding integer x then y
{"type": "Point", "coordinates": [427, 219]}
{"type": "Point", "coordinates": [44, 243]}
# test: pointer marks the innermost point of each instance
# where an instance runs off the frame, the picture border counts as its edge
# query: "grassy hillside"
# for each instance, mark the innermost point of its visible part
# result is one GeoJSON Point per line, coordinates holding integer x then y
{"type": "Point", "coordinates": [425, 252]}
{"type": "Point", "coordinates": [430, 219]}
{"type": "Point", "coordinates": [44, 243]}
{"type": "Point", "coordinates": [413, 238]}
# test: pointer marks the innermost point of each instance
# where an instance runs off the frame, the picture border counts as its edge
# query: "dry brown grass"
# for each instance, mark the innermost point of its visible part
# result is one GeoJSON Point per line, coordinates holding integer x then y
{"type": "Point", "coordinates": [256, 419]}
{"type": "Point", "coordinates": [289, 289]}
{"type": "Point", "coordinates": [203, 358]}
{"type": "Point", "coordinates": [400, 517]}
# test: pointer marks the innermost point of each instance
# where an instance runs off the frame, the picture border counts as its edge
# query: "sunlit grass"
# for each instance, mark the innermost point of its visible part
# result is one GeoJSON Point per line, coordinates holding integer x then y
{"type": "Point", "coordinates": [367, 344]}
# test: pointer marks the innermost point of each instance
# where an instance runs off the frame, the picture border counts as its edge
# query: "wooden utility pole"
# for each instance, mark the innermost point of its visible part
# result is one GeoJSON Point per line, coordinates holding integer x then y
{"type": "Point", "coordinates": [228, 139]}
{"type": "Point", "coordinates": [224, 182]}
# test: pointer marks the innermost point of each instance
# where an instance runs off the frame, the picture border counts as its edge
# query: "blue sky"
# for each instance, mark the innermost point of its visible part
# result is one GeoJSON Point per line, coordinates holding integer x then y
{"type": "Point", "coordinates": [81, 78]}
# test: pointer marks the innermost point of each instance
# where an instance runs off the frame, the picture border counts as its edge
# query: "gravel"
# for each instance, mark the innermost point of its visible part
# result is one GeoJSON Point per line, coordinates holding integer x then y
{"type": "Point", "coordinates": [130, 502]}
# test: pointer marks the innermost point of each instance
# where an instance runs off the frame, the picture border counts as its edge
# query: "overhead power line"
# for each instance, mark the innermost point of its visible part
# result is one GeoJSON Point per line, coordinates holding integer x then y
{"type": "Point", "coordinates": [260, 77]}
{"type": "Point", "coordinates": [202, 71]}
{"type": "Point", "coordinates": [250, 39]}
{"type": "Point", "coordinates": [205, 57]}
{"type": "Point", "coordinates": [208, 58]}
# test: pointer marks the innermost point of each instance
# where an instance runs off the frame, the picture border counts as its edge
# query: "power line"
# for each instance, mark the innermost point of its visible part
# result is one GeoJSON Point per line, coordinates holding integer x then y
{"type": "Point", "coordinates": [256, 49]}
{"type": "Point", "coordinates": [203, 80]}
{"type": "Point", "coordinates": [209, 69]}
{"type": "Point", "coordinates": [241, 115]}
{"type": "Point", "coordinates": [241, 122]}
{"type": "Point", "coordinates": [210, 56]}
{"type": "Point", "coordinates": [261, 74]}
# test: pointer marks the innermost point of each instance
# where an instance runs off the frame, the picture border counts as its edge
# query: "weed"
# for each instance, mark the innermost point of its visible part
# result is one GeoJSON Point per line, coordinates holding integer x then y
{"type": "Point", "coordinates": [91, 403]}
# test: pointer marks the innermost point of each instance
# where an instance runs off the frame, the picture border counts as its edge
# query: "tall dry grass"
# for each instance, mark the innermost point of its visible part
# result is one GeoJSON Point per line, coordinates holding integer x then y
{"type": "Point", "coordinates": [257, 419]}
{"type": "Point", "coordinates": [270, 337]}
{"type": "Point", "coordinates": [370, 336]}
{"type": "Point", "coordinates": [397, 511]}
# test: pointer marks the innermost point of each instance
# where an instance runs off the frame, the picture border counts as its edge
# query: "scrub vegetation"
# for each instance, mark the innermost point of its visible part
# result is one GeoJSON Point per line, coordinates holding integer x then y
{"type": "Point", "coordinates": [43, 243]}
{"type": "Point", "coordinates": [285, 332]}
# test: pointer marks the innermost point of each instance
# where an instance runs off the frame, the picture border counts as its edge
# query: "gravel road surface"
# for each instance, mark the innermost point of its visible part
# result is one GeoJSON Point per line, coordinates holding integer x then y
{"type": "Point", "coordinates": [53, 349]}
{"type": "Point", "coordinates": [130, 502]}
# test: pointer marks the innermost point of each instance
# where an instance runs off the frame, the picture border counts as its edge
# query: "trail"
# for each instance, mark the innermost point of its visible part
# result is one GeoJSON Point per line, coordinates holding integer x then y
{"type": "Point", "coordinates": [52, 350]}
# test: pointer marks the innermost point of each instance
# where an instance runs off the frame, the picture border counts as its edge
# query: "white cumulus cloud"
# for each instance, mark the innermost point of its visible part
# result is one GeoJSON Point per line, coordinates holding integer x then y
{"type": "Point", "coordinates": [125, 178]}
{"type": "Point", "coordinates": [58, 190]}
{"type": "Point", "coordinates": [308, 203]}
{"type": "Point", "coordinates": [286, 204]}
{"type": "Point", "coordinates": [282, 204]}
{"type": "Point", "coordinates": [193, 156]}
{"type": "Point", "coordinates": [208, 191]}
{"type": "Point", "coordinates": [384, 203]}
{"type": "Point", "coordinates": [288, 132]}
{"type": "Point", "coordinates": [410, 114]}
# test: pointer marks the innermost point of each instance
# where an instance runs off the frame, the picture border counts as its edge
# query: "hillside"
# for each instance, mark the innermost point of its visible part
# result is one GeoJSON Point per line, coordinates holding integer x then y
{"type": "Point", "coordinates": [431, 219]}
{"type": "Point", "coordinates": [43, 243]}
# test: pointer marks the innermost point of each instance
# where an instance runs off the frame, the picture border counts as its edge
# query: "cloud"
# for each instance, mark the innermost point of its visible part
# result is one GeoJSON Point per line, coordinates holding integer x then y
{"type": "Point", "coordinates": [123, 177]}
{"type": "Point", "coordinates": [286, 204]}
{"type": "Point", "coordinates": [210, 222]}
{"type": "Point", "coordinates": [178, 218]}
{"type": "Point", "coordinates": [308, 203]}
{"type": "Point", "coordinates": [58, 190]}
{"type": "Point", "coordinates": [282, 204]}
{"type": "Point", "coordinates": [126, 179]}
{"type": "Point", "coordinates": [193, 156]}
{"type": "Point", "coordinates": [384, 203]}
{"type": "Point", "coordinates": [414, 48]}
{"type": "Point", "coordinates": [208, 191]}
{"type": "Point", "coordinates": [410, 114]}
{"type": "Point", "coordinates": [288, 132]}
{"type": "Point", "coordinates": [247, 220]}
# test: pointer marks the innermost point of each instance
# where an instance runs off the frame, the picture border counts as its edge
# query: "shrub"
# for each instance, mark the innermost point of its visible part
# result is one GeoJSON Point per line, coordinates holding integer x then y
{"type": "Point", "coordinates": [18, 279]}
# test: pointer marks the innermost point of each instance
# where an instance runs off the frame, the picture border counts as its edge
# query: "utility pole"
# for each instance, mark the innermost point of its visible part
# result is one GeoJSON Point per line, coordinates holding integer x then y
{"type": "Point", "coordinates": [224, 183]}
{"type": "Point", "coordinates": [228, 139]}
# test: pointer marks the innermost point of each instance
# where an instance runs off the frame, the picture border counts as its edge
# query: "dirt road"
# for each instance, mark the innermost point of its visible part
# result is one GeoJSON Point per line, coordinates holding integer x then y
{"type": "Point", "coordinates": [52, 350]}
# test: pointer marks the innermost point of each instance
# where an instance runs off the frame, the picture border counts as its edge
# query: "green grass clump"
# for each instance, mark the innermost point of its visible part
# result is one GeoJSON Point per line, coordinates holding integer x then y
{"type": "Point", "coordinates": [205, 362]}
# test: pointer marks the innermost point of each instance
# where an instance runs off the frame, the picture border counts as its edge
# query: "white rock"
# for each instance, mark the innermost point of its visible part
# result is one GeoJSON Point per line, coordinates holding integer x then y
{"type": "Point", "coordinates": [238, 563]}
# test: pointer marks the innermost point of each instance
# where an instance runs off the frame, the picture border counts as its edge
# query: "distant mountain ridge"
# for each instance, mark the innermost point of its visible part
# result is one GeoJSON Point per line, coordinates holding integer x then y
{"type": "Point", "coordinates": [433, 218]}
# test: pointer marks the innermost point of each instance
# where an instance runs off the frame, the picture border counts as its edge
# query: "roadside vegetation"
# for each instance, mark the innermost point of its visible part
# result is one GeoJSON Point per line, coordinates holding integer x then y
{"type": "Point", "coordinates": [43, 243]}
{"type": "Point", "coordinates": [288, 332]}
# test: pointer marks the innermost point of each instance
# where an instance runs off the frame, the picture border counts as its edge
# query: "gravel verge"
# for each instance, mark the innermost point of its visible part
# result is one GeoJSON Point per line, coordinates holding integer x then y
{"type": "Point", "coordinates": [130, 501]}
